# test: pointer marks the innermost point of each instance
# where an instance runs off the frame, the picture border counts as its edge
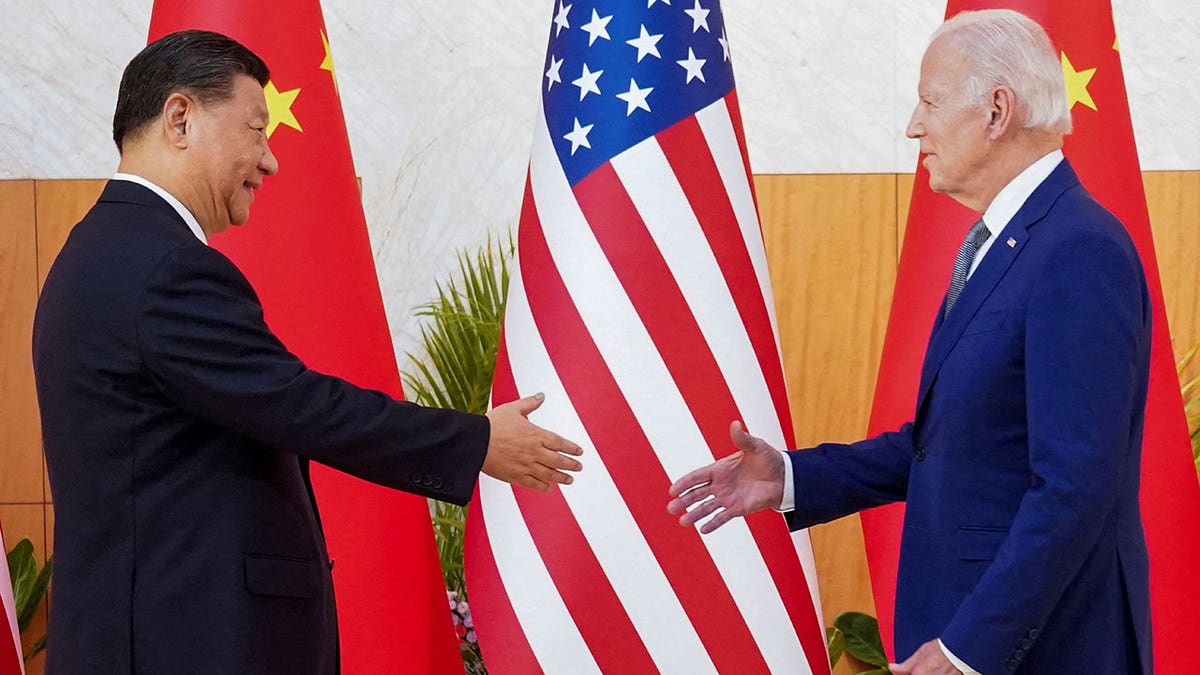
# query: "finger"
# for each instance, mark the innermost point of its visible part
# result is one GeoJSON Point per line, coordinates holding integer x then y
{"type": "Point", "coordinates": [532, 483]}
{"type": "Point", "coordinates": [722, 517]}
{"type": "Point", "coordinates": [529, 403]}
{"type": "Point", "coordinates": [553, 441]}
{"type": "Point", "coordinates": [742, 439]}
{"type": "Point", "coordinates": [555, 460]}
{"type": "Point", "coordinates": [691, 480]}
{"type": "Point", "coordinates": [701, 512]}
{"type": "Point", "coordinates": [554, 477]}
{"type": "Point", "coordinates": [695, 496]}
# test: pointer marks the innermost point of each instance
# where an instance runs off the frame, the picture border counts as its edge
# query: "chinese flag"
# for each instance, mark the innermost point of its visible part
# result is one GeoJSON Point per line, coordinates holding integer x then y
{"type": "Point", "coordinates": [11, 662]}
{"type": "Point", "coordinates": [307, 254]}
{"type": "Point", "coordinates": [1102, 151]}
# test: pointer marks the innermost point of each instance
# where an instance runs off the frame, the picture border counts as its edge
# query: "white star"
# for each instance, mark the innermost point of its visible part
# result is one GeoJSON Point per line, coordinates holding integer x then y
{"type": "Point", "coordinates": [646, 44]}
{"type": "Point", "coordinates": [693, 65]}
{"type": "Point", "coordinates": [587, 82]}
{"type": "Point", "coordinates": [597, 27]}
{"type": "Point", "coordinates": [651, 3]}
{"type": "Point", "coordinates": [552, 72]}
{"type": "Point", "coordinates": [724, 43]}
{"type": "Point", "coordinates": [560, 19]}
{"type": "Point", "coordinates": [635, 98]}
{"type": "Point", "coordinates": [578, 136]}
{"type": "Point", "coordinates": [699, 17]}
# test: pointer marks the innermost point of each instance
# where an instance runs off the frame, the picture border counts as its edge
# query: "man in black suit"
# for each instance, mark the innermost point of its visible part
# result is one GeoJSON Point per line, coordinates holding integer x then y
{"type": "Point", "coordinates": [178, 429]}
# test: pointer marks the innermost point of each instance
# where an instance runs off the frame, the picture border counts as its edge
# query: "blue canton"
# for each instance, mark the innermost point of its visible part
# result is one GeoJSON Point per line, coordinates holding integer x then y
{"type": "Point", "coordinates": [620, 71]}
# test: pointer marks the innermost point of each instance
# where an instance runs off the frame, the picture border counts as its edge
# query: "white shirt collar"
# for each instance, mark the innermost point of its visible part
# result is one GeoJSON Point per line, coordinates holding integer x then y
{"type": "Point", "coordinates": [1010, 199]}
{"type": "Point", "coordinates": [192, 223]}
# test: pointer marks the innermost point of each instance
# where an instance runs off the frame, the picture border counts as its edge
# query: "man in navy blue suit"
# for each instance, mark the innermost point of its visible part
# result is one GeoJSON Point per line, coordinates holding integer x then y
{"type": "Point", "coordinates": [1022, 547]}
{"type": "Point", "coordinates": [178, 429]}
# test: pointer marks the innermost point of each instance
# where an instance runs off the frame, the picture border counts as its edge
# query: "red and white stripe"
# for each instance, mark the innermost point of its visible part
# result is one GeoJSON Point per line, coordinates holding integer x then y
{"type": "Point", "coordinates": [640, 304]}
{"type": "Point", "coordinates": [11, 662]}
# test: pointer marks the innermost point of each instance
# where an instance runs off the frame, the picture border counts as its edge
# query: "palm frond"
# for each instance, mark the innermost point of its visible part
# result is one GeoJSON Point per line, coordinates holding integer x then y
{"type": "Point", "coordinates": [459, 338]}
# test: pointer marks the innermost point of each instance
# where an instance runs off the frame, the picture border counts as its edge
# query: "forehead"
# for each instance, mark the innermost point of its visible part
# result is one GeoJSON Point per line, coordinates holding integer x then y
{"type": "Point", "coordinates": [944, 66]}
{"type": "Point", "coordinates": [248, 98]}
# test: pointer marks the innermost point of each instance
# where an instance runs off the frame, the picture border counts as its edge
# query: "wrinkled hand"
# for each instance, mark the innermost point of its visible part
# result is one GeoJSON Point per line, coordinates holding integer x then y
{"type": "Point", "coordinates": [929, 660]}
{"type": "Point", "coordinates": [746, 481]}
{"type": "Point", "coordinates": [522, 453]}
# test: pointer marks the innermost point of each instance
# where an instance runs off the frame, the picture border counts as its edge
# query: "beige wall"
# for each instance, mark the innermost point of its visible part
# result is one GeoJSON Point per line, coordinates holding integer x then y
{"type": "Point", "coordinates": [832, 241]}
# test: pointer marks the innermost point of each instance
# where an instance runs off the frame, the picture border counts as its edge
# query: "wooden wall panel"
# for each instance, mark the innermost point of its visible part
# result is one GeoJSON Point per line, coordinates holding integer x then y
{"type": "Point", "coordinates": [61, 203]}
{"type": "Point", "coordinates": [20, 434]}
{"type": "Point", "coordinates": [1174, 202]}
{"type": "Point", "coordinates": [831, 245]}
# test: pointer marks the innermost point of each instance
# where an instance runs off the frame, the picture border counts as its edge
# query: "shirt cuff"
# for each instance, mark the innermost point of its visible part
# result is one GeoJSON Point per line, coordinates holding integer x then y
{"type": "Point", "coordinates": [789, 486]}
{"type": "Point", "coordinates": [957, 662]}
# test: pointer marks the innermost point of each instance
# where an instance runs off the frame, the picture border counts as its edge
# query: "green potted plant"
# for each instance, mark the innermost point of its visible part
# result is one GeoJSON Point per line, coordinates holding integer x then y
{"type": "Point", "coordinates": [29, 587]}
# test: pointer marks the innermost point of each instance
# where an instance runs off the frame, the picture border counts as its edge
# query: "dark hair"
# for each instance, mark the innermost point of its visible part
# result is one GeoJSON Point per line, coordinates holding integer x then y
{"type": "Point", "coordinates": [199, 63]}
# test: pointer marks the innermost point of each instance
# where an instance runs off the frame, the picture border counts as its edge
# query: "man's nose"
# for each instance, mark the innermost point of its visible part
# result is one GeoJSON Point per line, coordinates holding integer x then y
{"type": "Point", "coordinates": [268, 164]}
{"type": "Point", "coordinates": [915, 128]}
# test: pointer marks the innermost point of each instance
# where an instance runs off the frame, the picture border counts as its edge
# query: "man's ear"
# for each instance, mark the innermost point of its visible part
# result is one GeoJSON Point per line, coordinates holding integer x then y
{"type": "Point", "coordinates": [176, 115]}
{"type": "Point", "coordinates": [1002, 107]}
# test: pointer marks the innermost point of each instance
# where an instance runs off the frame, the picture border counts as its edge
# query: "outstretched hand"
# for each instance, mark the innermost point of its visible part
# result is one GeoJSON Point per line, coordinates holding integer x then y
{"type": "Point", "coordinates": [522, 453]}
{"type": "Point", "coordinates": [746, 481]}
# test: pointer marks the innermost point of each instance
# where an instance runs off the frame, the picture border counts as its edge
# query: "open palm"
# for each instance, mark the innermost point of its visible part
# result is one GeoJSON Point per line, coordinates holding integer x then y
{"type": "Point", "coordinates": [746, 481]}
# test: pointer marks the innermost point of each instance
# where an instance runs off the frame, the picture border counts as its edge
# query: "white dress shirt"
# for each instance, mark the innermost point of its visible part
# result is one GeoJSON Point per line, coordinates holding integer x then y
{"type": "Point", "coordinates": [997, 216]}
{"type": "Point", "coordinates": [192, 223]}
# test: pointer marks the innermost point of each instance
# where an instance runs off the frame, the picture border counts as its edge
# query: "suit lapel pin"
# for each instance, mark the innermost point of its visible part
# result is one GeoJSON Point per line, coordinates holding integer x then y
{"type": "Point", "coordinates": [1011, 242]}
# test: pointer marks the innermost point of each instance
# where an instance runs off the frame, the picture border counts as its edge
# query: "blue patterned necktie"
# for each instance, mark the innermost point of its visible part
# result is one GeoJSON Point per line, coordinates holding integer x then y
{"type": "Point", "coordinates": [962, 262]}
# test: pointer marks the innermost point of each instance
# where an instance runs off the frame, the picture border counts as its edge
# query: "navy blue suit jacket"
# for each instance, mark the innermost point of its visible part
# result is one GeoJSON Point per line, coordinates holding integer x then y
{"type": "Point", "coordinates": [177, 433]}
{"type": "Point", "coordinates": [1022, 546]}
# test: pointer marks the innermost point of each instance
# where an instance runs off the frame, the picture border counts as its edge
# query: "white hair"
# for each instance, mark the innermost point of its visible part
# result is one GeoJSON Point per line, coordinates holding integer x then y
{"type": "Point", "coordinates": [1007, 48]}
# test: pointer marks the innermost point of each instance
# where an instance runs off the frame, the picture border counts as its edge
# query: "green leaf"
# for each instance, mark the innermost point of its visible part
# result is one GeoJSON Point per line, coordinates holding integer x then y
{"type": "Point", "coordinates": [38, 647]}
{"type": "Point", "coordinates": [836, 641]}
{"type": "Point", "coordinates": [876, 671]}
{"type": "Point", "coordinates": [862, 638]}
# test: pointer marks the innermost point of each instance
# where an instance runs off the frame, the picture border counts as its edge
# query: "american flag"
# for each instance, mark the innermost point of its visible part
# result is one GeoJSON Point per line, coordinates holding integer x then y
{"type": "Point", "coordinates": [640, 304]}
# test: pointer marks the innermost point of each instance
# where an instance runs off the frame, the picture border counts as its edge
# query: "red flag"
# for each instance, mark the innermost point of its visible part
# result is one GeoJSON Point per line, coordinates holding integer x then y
{"type": "Point", "coordinates": [640, 304]}
{"type": "Point", "coordinates": [11, 662]}
{"type": "Point", "coordinates": [1102, 151]}
{"type": "Point", "coordinates": [306, 252]}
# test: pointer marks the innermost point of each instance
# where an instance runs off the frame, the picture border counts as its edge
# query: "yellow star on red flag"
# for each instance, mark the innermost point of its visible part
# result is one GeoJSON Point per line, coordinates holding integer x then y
{"type": "Point", "coordinates": [1077, 83]}
{"type": "Point", "coordinates": [327, 64]}
{"type": "Point", "coordinates": [279, 104]}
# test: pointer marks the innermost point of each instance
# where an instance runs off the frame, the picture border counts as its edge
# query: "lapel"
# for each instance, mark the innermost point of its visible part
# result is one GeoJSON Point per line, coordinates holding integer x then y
{"type": "Point", "coordinates": [993, 267]}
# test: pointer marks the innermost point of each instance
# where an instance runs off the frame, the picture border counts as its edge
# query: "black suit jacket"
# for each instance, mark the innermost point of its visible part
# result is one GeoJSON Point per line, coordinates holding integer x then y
{"type": "Point", "coordinates": [178, 431]}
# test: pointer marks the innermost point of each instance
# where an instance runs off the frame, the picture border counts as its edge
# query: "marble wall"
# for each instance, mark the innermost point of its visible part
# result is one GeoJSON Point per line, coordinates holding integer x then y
{"type": "Point", "coordinates": [439, 98]}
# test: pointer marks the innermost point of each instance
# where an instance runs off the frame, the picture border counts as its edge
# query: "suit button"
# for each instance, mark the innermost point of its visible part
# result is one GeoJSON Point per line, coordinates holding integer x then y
{"type": "Point", "coordinates": [920, 454]}
{"type": "Point", "coordinates": [1033, 633]}
{"type": "Point", "coordinates": [416, 477]}
{"type": "Point", "coordinates": [437, 484]}
{"type": "Point", "coordinates": [427, 481]}
{"type": "Point", "coordinates": [1026, 643]}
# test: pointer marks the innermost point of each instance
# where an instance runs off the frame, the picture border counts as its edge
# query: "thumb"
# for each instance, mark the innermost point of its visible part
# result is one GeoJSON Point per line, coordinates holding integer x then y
{"type": "Point", "coordinates": [744, 441]}
{"type": "Point", "coordinates": [529, 403]}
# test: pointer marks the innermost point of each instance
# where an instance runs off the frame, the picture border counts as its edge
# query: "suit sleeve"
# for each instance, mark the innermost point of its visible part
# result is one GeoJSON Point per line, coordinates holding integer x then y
{"type": "Point", "coordinates": [1086, 344]}
{"type": "Point", "coordinates": [203, 340]}
{"type": "Point", "coordinates": [833, 480]}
